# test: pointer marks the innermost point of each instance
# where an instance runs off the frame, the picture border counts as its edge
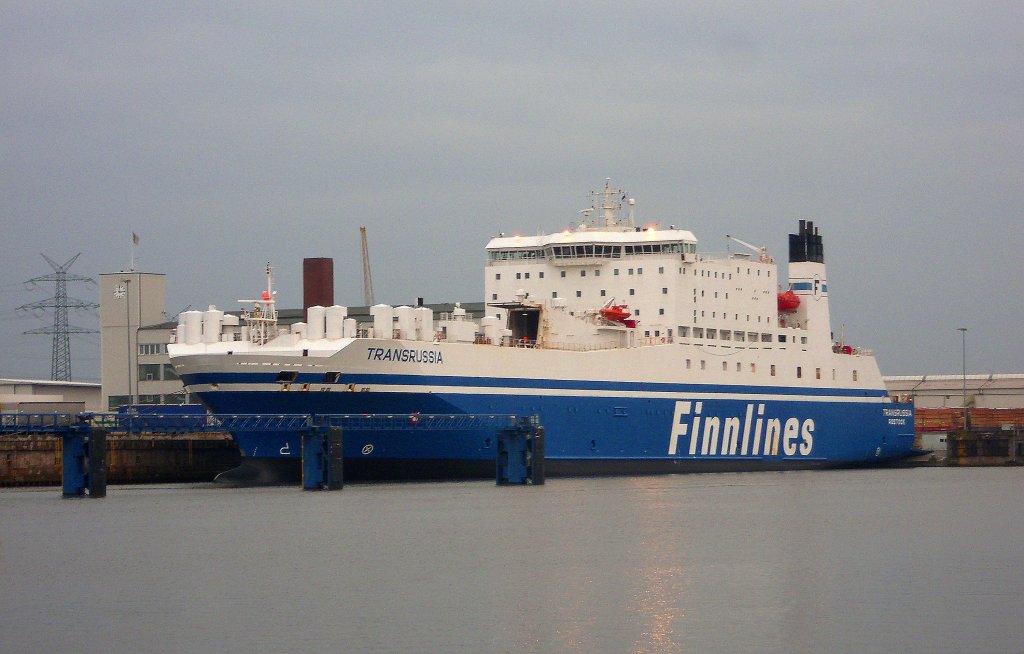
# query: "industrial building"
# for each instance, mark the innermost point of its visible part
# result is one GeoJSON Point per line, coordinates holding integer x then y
{"type": "Point", "coordinates": [957, 391]}
{"type": "Point", "coordinates": [43, 396]}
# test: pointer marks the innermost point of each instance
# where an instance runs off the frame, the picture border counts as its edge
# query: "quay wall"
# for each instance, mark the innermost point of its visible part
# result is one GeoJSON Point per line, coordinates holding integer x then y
{"type": "Point", "coordinates": [135, 459]}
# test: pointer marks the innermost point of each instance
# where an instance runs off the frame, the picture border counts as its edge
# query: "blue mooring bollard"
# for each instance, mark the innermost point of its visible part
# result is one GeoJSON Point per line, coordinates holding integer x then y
{"type": "Point", "coordinates": [84, 463]}
{"type": "Point", "coordinates": [73, 465]}
{"type": "Point", "coordinates": [322, 458]}
{"type": "Point", "coordinates": [520, 455]}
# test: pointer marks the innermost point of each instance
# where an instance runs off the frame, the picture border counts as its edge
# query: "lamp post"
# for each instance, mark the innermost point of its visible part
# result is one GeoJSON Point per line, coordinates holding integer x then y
{"type": "Point", "coordinates": [963, 350]}
{"type": "Point", "coordinates": [128, 333]}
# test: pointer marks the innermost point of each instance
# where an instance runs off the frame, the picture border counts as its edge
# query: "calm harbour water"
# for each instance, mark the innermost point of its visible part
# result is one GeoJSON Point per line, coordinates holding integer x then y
{"type": "Point", "coordinates": [920, 560]}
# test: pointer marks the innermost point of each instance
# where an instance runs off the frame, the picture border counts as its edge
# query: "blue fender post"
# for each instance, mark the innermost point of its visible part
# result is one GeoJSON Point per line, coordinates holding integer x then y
{"type": "Point", "coordinates": [313, 458]}
{"type": "Point", "coordinates": [73, 465]}
{"type": "Point", "coordinates": [520, 454]}
{"type": "Point", "coordinates": [97, 454]}
{"type": "Point", "coordinates": [335, 459]}
{"type": "Point", "coordinates": [537, 463]}
{"type": "Point", "coordinates": [322, 457]}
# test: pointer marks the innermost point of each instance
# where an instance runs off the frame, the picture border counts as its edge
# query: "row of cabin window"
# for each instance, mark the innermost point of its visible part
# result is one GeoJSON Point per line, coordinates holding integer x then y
{"type": "Point", "coordinates": [772, 369]}
{"type": "Point", "coordinates": [591, 251]}
{"type": "Point", "coordinates": [638, 271]}
{"type": "Point", "coordinates": [725, 316]}
{"type": "Point", "coordinates": [724, 334]}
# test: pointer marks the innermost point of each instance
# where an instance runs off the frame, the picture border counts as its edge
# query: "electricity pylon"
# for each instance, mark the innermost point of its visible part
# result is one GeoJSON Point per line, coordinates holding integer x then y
{"type": "Point", "coordinates": [60, 364]}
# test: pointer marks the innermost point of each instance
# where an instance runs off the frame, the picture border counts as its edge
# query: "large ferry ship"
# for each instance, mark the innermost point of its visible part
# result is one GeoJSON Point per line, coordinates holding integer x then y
{"type": "Point", "coordinates": [637, 352]}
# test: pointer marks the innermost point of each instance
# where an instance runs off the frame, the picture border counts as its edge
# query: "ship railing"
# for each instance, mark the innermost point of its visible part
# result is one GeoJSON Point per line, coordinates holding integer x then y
{"type": "Point", "coordinates": [508, 341]}
{"type": "Point", "coordinates": [654, 340]}
{"type": "Point", "coordinates": [581, 347]}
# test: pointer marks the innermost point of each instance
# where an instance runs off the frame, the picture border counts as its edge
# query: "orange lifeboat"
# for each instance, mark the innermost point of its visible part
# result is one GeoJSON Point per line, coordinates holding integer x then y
{"type": "Point", "coordinates": [788, 302]}
{"type": "Point", "coordinates": [618, 313]}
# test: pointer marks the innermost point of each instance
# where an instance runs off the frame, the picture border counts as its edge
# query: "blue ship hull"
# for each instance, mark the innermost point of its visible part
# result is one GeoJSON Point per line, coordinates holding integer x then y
{"type": "Point", "coordinates": [592, 429]}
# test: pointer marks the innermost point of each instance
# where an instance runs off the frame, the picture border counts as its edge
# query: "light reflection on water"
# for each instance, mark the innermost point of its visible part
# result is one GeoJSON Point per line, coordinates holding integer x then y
{"type": "Point", "coordinates": [879, 560]}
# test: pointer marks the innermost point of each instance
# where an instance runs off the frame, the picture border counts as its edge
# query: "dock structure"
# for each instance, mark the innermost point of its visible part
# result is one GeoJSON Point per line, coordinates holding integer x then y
{"type": "Point", "coordinates": [986, 447]}
{"type": "Point", "coordinates": [979, 437]}
{"type": "Point", "coordinates": [83, 438]}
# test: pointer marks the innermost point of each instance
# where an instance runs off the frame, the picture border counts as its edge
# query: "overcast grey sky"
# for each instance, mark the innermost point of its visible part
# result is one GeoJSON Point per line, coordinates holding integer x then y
{"type": "Point", "coordinates": [229, 134]}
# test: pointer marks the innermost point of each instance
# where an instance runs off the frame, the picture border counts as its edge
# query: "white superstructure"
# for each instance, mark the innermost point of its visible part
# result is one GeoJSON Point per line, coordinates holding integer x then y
{"type": "Point", "coordinates": [604, 284]}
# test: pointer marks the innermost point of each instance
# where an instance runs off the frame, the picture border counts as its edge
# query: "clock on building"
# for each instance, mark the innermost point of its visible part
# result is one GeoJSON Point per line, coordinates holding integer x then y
{"type": "Point", "coordinates": [120, 291]}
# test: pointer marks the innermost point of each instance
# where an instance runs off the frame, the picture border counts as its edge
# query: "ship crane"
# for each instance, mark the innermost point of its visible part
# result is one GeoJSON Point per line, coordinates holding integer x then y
{"type": "Point", "coordinates": [367, 276]}
{"type": "Point", "coordinates": [761, 251]}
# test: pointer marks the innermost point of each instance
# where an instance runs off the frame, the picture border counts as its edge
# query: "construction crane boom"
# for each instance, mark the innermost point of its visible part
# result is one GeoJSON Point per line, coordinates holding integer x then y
{"type": "Point", "coordinates": [367, 275]}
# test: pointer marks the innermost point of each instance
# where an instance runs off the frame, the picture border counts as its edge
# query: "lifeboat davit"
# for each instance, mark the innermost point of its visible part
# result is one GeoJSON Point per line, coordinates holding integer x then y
{"type": "Point", "coordinates": [788, 302]}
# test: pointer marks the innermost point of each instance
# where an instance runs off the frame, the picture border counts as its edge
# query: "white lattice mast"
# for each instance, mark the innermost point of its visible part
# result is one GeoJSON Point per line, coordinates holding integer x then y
{"type": "Point", "coordinates": [262, 318]}
{"type": "Point", "coordinates": [60, 363]}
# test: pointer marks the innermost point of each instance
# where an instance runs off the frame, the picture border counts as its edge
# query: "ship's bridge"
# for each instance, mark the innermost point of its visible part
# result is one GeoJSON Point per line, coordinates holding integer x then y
{"type": "Point", "coordinates": [583, 247]}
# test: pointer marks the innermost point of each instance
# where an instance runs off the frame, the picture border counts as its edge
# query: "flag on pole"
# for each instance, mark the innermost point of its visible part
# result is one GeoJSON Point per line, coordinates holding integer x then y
{"type": "Point", "coordinates": [135, 238]}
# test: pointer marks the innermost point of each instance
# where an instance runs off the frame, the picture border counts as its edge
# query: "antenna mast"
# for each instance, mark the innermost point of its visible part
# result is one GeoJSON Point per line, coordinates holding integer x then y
{"type": "Point", "coordinates": [367, 275]}
{"type": "Point", "coordinates": [60, 362]}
